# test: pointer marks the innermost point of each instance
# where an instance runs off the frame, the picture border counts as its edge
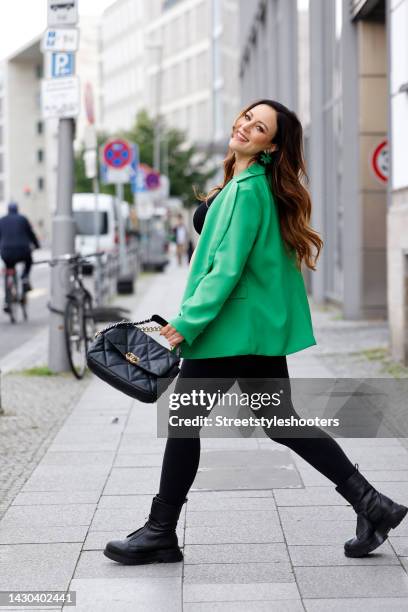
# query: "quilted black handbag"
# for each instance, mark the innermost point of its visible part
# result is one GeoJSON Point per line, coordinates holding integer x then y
{"type": "Point", "coordinates": [125, 357]}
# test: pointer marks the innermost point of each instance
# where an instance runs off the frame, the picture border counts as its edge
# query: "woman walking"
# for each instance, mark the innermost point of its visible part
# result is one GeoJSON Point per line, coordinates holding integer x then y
{"type": "Point", "coordinates": [243, 310]}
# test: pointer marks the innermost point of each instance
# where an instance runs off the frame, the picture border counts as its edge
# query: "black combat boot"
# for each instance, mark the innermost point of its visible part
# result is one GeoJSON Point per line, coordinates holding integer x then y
{"type": "Point", "coordinates": [155, 542]}
{"type": "Point", "coordinates": [376, 515]}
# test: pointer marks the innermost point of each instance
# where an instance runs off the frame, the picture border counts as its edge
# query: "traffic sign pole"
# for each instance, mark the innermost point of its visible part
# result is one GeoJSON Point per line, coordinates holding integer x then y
{"type": "Point", "coordinates": [123, 263]}
{"type": "Point", "coordinates": [60, 99]}
{"type": "Point", "coordinates": [63, 241]}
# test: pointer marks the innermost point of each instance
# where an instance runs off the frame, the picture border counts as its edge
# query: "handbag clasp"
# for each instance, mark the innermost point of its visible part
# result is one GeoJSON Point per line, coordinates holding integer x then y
{"type": "Point", "coordinates": [132, 358]}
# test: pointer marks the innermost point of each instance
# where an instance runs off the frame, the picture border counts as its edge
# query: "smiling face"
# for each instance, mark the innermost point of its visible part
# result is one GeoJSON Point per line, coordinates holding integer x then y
{"type": "Point", "coordinates": [254, 131]}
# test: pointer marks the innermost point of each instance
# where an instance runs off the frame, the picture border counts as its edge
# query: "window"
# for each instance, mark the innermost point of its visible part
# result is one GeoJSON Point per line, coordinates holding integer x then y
{"type": "Point", "coordinates": [40, 127]}
{"type": "Point", "coordinates": [1, 163]}
{"type": "Point", "coordinates": [40, 183]}
{"type": "Point", "coordinates": [40, 155]}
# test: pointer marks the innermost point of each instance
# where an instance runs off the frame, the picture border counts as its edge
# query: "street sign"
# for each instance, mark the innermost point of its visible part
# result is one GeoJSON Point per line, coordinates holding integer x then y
{"type": "Point", "coordinates": [62, 64]}
{"type": "Point", "coordinates": [380, 162]}
{"type": "Point", "coordinates": [60, 39]}
{"type": "Point", "coordinates": [62, 12]}
{"type": "Point", "coordinates": [147, 179]}
{"type": "Point", "coordinates": [117, 153]}
{"type": "Point", "coordinates": [113, 173]}
{"type": "Point", "coordinates": [60, 97]}
{"type": "Point", "coordinates": [89, 103]}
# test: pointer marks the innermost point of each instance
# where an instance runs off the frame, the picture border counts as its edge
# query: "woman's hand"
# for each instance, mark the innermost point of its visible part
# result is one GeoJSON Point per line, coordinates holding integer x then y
{"type": "Point", "coordinates": [171, 334]}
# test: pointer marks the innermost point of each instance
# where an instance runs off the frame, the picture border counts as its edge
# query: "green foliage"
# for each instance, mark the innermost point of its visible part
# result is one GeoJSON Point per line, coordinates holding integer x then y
{"type": "Point", "coordinates": [187, 168]}
{"type": "Point", "coordinates": [38, 371]}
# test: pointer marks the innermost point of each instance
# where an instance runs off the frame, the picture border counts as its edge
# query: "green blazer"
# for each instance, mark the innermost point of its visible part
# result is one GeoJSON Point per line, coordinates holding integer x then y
{"type": "Point", "coordinates": [244, 294]}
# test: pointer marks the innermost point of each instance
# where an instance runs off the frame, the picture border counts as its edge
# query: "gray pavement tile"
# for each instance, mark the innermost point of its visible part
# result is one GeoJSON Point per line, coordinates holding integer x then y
{"type": "Point", "coordinates": [303, 532]}
{"type": "Point", "coordinates": [37, 566]}
{"type": "Point", "coordinates": [96, 540]}
{"type": "Point", "coordinates": [334, 555]}
{"type": "Point", "coordinates": [210, 502]}
{"type": "Point", "coordinates": [129, 444]}
{"type": "Point", "coordinates": [229, 493]}
{"type": "Point", "coordinates": [48, 516]}
{"type": "Point", "coordinates": [245, 606]}
{"type": "Point", "coordinates": [28, 534]}
{"type": "Point", "coordinates": [246, 478]}
{"type": "Point", "coordinates": [386, 475]}
{"type": "Point", "coordinates": [127, 595]}
{"type": "Point", "coordinates": [239, 518]}
{"type": "Point", "coordinates": [404, 561]}
{"type": "Point", "coordinates": [311, 496]}
{"type": "Point", "coordinates": [94, 565]}
{"type": "Point", "coordinates": [136, 502]}
{"type": "Point", "coordinates": [356, 581]}
{"type": "Point", "coordinates": [357, 443]}
{"type": "Point", "coordinates": [67, 478]}
{"type": "Point", "coordinates": [139, 460]}
{"type": "Point", "coordinates": [45, 498]}
{"type": "Point", "coordinates": [237, 553]}
{"type": "Point", "coordinates": [317, 514]}
{"type": "Point", "coordinates": [240, 592]}
{"type": "Point", "coordinates": [75, 459]}
{"type": "Point", "coordinates": [398, 491]}
{"type": "Point", "coordinates": [229, 443]}
{"type": "Point", "coordinates": [399, 544]}
{"type": "Point", "coordinates": [394, 604]}
{"type": "Point", "coordinates": [237, 573]}
{"type": "Point", "coordinates": [229, 534]}
{"type": "Point", "coordinates": [133, 480]}
{"type": "Point", "coordinates": [107, 519]}
{"type": "Point", "coordinates": [261, 458]}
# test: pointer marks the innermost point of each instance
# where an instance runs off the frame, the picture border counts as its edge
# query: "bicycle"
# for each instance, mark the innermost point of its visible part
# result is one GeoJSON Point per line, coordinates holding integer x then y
{"type": "Point", "coordinates": [79, 324]}
{"type": "Point", "coordinates": [15, 295]}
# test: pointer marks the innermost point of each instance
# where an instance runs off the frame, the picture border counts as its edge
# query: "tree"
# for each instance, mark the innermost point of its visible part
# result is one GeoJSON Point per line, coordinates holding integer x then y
{"type": "Point", "coordinates": [187, 167]}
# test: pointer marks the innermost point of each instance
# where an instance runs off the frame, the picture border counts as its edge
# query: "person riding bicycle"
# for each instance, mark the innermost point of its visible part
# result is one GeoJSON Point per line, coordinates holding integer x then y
{"type": "Point", "coordinates": [16, 238]}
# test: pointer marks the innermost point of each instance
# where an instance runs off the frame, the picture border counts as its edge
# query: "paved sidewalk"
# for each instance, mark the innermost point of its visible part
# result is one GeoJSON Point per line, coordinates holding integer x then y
{"type": "Point", "coordinates": [262, 530]}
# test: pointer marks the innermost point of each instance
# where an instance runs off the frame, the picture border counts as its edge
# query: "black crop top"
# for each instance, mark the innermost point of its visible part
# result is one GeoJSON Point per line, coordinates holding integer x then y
{"type": "Point", "coordinates": [200, 213]}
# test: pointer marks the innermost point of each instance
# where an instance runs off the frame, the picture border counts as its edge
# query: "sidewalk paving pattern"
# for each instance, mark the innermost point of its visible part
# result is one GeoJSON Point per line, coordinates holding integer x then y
{"type": "Point", "coordinates": [261, 530]}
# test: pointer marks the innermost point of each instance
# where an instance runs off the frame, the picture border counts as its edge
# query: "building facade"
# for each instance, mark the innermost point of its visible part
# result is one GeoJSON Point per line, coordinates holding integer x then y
{"type": "Point", "coordinates": [177, 59]}
{"type": "Point", "coordinates": [23, 165]}
{"type": "Point", "coordinates": [397, 221]}
{"type": "Point", "coordinates": [327, 60]}
{"type": "Point", "coordinates": [29, 145]}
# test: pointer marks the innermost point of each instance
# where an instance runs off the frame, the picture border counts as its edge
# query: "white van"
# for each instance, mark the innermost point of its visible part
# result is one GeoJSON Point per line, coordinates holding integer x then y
{"type": "Point", "coordinates": [83, 206]}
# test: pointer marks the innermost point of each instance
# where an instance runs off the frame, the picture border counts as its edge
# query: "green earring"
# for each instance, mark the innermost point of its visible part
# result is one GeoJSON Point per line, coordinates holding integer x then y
{"type": "Point", "coordinates": [266, 157]}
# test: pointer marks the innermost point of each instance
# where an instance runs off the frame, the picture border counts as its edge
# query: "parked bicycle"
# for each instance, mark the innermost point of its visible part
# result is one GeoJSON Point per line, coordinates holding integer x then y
{"type": "Point", "coordinates": [79, 324]}
{"type": "Point", "coordinates": [15, 294]}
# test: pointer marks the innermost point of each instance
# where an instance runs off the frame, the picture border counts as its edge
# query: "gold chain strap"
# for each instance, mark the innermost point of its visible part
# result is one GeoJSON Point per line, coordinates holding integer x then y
{"type": "Point", "coordinates": [128, 324]}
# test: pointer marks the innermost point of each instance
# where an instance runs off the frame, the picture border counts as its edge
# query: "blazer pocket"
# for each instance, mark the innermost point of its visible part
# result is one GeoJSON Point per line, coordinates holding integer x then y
{"type": "Point", "coordinates": [239, 292]}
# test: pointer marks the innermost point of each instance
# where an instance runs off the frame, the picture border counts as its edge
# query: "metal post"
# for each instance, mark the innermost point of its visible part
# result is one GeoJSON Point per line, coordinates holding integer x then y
{"type": "Point", "coordinates": [123, 267]}
{"type": "Point", "coordinates": [63, 241]}
{"type": "Point", "coordinates": [157, 126]}
{"type": "Point", "coordinates": [98, 260]}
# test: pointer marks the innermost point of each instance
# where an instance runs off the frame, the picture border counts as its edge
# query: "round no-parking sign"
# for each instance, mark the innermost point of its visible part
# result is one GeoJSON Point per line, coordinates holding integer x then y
{"type": "Point", "coordinates": [380, 162]}
{"type": "Point", "coordinates": [117, 153]}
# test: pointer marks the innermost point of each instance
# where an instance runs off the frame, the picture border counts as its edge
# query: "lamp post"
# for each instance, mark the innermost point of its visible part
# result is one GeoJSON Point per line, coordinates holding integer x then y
{"type": "Point", "coordinates": [157, 127]}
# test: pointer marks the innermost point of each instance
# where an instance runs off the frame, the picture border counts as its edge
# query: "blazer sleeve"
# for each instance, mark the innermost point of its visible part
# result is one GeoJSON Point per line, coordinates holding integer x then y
{"type": "Point", "coordinates": [241, 217]}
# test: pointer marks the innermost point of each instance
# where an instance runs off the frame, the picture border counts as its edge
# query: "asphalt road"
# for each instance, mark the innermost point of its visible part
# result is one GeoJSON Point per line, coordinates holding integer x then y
{"type": "Point", "coordinates": [13, 336]}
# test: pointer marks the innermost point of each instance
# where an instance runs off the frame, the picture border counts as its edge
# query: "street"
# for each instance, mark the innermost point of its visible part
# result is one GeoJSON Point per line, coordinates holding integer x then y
{"type": "Point", "coordinates": [14, 336]}
{"type": "Point", "coordinates": [262, 529]}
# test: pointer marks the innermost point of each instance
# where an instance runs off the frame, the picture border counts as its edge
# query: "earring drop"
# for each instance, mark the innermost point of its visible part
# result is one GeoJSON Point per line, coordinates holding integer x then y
{"type": "Point", "coordinates": [266, 157]}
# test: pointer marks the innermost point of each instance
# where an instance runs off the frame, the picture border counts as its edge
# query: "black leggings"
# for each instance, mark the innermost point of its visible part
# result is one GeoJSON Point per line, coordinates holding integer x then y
{"type": "Point", "coordinates": [182, 455]}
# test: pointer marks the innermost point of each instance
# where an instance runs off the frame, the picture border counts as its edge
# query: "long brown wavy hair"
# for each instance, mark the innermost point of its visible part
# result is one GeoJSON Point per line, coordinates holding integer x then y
{"type": "Point", "coordinates": [286, 174]}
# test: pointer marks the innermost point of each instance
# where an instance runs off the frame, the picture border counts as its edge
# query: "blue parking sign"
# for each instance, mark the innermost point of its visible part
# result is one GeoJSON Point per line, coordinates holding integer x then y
{"type": "Point", "coordinates": [62, 64]}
